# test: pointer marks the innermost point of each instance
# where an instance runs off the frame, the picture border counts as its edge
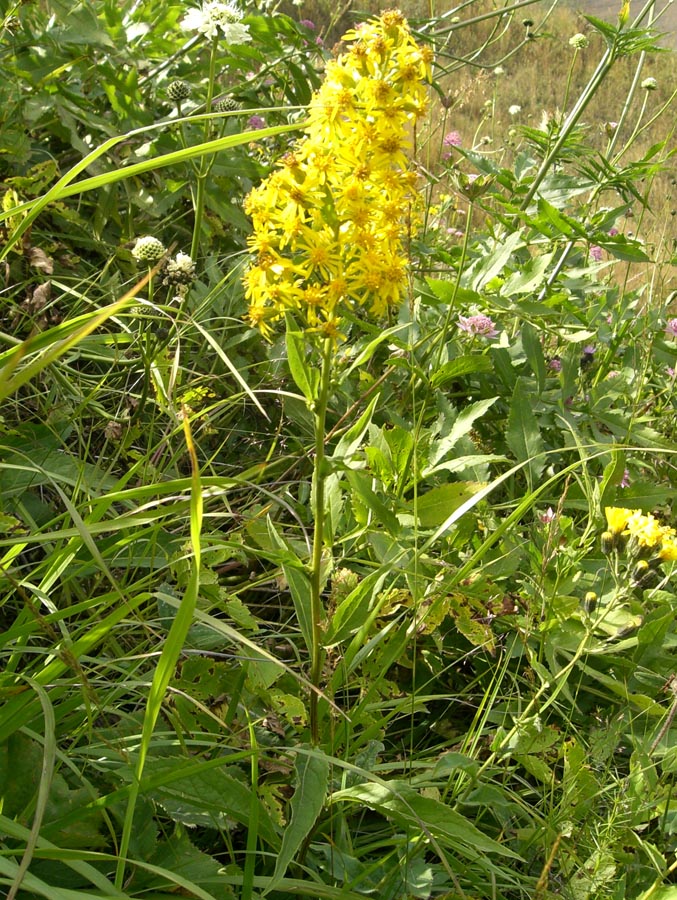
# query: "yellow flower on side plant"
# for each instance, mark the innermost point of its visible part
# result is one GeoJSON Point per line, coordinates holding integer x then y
{"type": "Point", "coordinates": [331, 223]}
{"type": "Point", "coordinates": [617, 518]}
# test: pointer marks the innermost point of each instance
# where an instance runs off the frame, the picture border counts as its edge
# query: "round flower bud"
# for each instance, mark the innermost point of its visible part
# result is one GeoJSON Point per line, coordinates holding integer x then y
{"type": "Point", "coordinates": [578, 41]}
{"type": "Point", "coordinates": [178, 90]}
{"type": "Point", "coordinates": [610, 542]}
{"type": "Point", "coordinates": [649, 84]}
{"type": "Point", "coordinates": [590, 602]}
{"type": "Point", "coordinates": [227, 104]}
{"type": "Point", "coordinates": [148, 249]}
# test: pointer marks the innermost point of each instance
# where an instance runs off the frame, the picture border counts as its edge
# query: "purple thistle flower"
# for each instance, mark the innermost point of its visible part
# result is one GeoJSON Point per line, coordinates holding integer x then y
{"type": "Point", "coordinates": [307, 23]}
{"type": "Point", "coordinates": [555, 365]}
{"type": "Point", "coordinates": [256, 122]}
{"type": "Point", "coordinates": [613, 231]}
{"type": "Point", "coordinates": [478, 325]}
{"type": "Point", "coordinates": [596, 253]}
{"type": "Point", "coordinates": [453, 139]}
{"type": "Point", "coordinates": [589, 349]}
{"type": "Point", "coordinates": [671, 328]}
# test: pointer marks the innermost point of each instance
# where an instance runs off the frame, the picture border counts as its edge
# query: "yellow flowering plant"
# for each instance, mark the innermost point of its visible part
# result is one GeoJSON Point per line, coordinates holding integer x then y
{"type": "Point", "coordinates": [645, 541]}
{"type": "Point", "coordinates": [330, 223]}
{"type": "Point", "coordinates": [330, 231]}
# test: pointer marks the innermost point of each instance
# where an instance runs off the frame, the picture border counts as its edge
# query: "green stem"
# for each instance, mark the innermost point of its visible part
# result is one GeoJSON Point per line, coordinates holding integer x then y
{"type": "Point", "coordinates": [205, 165]}
{"type": "Point", "coordinates": [319, 476]}
{"type": "Point", "coordinates": [441, 337]}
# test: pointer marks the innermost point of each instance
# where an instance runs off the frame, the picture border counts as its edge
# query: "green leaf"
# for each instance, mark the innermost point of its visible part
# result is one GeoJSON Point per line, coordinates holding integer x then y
{"type": "Point", "coordinates": [523, 435]}
{"type": "Point", "coordinates": [448, 292]}
{"type": "Point", "coordinates": [620, 247]}
{"type": "Point", "coordinates": [426, 815]}
{"type": "Point", "coordinates": [527, 278]}
{"type": "Point", "coordinates": [352, 611]}
{"type": "Point", "coordinates": [306, 377]}
{"type": "Point", "coordinates": [360, 484]}
{"type": "Point", "coordinates": [198, 793]}
{"type": "Point", "coordinates": [493, 263]}
{"type": "Point", "coordinates": [352, 439]}
{"type": "Point", "coordinates": [533, 351]}
{"type": "Point", "coordinates": [434, 507]}
{"type": "Point", "coordinates": [462, 365]}
{"type": "Point", "coordinates": [312, 778]}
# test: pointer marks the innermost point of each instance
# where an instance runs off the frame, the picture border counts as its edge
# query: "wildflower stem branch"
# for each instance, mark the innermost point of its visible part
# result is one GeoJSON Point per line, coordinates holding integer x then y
{"type": "Point", "coordinates": [319, 476]}
{"type": "Point", "coordinates": [205, 162]}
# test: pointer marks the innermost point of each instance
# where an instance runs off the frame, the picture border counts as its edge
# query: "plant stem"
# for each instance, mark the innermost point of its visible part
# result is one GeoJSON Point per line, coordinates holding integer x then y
{"type": "Point", "coordinates": [205, 165]}
{"type": "Point", "coordinates": [319, 475]}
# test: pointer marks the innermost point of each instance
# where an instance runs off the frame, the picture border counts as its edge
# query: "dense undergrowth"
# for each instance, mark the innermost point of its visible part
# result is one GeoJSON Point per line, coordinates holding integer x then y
{"type": "Point", "coordinates": [375, 598]}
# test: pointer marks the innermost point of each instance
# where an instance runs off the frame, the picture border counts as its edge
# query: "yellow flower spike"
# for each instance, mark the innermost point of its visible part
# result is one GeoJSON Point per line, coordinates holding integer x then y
{"type": "Point", "coordinates": [617, 517]}
{"type": "Point", "coordinates": [332, 223]}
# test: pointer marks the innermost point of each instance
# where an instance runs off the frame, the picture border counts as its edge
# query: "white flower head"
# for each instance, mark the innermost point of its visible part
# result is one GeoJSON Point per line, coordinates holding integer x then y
{"type": "Point", "coordinates": [214, 16]}
{"type": "Point", "coordinates": [514, 109]}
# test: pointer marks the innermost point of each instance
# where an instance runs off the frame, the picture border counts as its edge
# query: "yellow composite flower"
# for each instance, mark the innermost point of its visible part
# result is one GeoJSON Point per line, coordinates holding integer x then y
{"type": "Point", "coordinates": [646, 530]}
{"type": "Point", "coordinates": [668, 551]}
{"type": "Point", "coordinates": [331, 224]}
{"type": "Point", "coordinates": [617, 518]}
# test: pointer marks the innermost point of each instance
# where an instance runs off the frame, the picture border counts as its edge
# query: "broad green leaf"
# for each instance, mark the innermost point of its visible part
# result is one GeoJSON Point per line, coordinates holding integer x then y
{"type": "Point", "coordinates": [310, 791]}
{"type": "Point", "coordinates": [379, 512]}
{"type": "Point", "coordinates": [404, 805]}
{"type": "Point", "coordinates": [462, 365]}
{"type": "Point", "coordinates": [527, 278]}
{"type": "Point", "coordinates": [448, 292]}
{"type": "Point", "coordinates": [523, 435]}
{"type": "Point", "coordinates": [620, 247]}
{"type": "Point", "coordinates": [352, 611]}
{"type": "Point", "coordinates": [435, 505]}
{"type": "Point", "coordinates": [494, 262]}
{"type": "Point", "coordinates": [352, 439]}
{"type": "Point", "coordinates": [461, 426]}
{"type": "Point", "coordinates": [209, 797]}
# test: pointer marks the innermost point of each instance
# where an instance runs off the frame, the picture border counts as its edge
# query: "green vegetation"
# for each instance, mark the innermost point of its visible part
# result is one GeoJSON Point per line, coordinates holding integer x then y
{"type": "Point", "coordinates": [337, 453]}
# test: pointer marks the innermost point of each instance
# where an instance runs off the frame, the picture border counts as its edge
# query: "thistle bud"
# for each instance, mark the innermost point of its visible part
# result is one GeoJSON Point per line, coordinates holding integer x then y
{"type": "Point", "coordinates": [178, 91]}
{"type": "Point", "coordinates": [578, 41]}
{"type": "Point", "coordinates": [148, 249]}
{"type": "Point", "coordinates": [227, 104]}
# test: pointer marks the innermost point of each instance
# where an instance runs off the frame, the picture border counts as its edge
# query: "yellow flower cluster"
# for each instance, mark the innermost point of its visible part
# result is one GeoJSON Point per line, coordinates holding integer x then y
{"type": "Point", "coordinates": [645, 532]}
{"type": "Point", "coordinates": [330, 222]}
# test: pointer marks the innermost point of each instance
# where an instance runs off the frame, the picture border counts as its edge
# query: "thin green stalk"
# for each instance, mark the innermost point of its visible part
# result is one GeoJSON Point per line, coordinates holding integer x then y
{"type": "Point", "coordinates": [205, 164]}
{"type": "Point", "coordinates": [439, 339]}
{"type": "Point", "coordinates": [319, 476]}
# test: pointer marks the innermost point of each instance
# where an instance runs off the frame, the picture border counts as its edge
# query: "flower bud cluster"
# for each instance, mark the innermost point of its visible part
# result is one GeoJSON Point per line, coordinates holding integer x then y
{"type": "Point", "coordinates": [330, 223]}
